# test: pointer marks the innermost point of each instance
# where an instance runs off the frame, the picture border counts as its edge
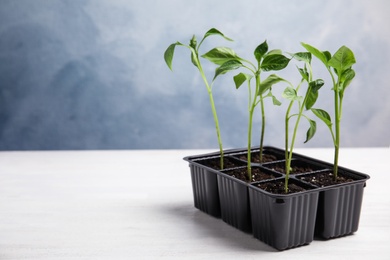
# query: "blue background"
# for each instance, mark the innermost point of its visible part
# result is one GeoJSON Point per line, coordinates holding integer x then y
{"type": "Point", "coordinates": [91, 74]}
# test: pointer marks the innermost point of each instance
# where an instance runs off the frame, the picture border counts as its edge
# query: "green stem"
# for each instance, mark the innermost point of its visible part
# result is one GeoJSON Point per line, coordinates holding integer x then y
{"type": "Point", "coordinates": [262, 115]}
{"type": "Point", "coordinates": [290, 151]}
{"type": "Point", "coordinates": [287, 119]}
{"type": "Point", "coordinates": [288, 165]}
{"type": "Point", "coordinates": [336, 135]}
{"type": "Point", "coordinates": [262, 128]}
{"type": "Point", "coordinates": [337, 111]}
{"type": "Point", "coordinates": [286, 154]}
{"type": "Point", "coordinates": [335, 162]}
{"type": "Point", "coordinates": [217, 129]}
{"type": "Point", "coordinates": [252, 106]}
{"type": "Point", "coordinates": [249, 159]}
{"type": "Point", "coordinates": [337, 138]}
{"type": "Point", "coordinates": [214, 111]}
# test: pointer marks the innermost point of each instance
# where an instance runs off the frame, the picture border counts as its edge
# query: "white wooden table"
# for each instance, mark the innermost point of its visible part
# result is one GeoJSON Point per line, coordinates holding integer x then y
{"type": "Point", "coordinates": [138, 204]}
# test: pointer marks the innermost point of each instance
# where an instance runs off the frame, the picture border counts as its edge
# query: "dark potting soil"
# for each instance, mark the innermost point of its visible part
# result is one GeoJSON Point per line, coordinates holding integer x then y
{"type": "Point", "coordinates": [295, 169]}
{"type": "Point", "coordinates": [257, 174]}
{"type": "Point", "coordinates": [255, 157]}
{"type": "Point", "coordinates": [324, 179]}
{"type": "Point", "coordinates": [278, 187]}
{"type": "Point", "coordinates": [215, 163]}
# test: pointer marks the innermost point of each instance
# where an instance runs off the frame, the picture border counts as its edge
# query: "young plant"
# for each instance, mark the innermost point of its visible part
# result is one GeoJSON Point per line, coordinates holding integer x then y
{"type": "Point", "coordinates": [273, 60]}
{"type": "Point", "coordinates": [342, 75]}
{"type": "Point", "coordinates": [194, 48]}
{"type": "Point", "coordinates": [305, 102]}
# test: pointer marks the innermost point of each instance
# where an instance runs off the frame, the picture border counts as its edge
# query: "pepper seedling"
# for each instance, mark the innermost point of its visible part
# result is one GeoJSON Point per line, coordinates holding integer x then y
{"type": "Point", "coordinates": [194, 47]}
{"type": "Point", "coordinates": [272, 60]}
{"type": "Point", "coordinates": [304, 103]}
{"type": "Point", "coordinates": [342, 75]}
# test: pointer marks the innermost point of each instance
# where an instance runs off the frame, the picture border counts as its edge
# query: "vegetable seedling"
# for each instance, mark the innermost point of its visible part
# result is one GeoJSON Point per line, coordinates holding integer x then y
{"type": "Point", "coordinates": [272, 60]}
{"type": "Point", "coordinates": [340, 69]}
{"type": "Point", "coordinates": [305, 102]}
{"type": "Point", "coordinates": [193, 46]}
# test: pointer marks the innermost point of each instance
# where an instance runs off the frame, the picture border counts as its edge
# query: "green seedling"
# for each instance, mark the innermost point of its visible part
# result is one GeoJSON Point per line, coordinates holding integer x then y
{"type": "Point", "coordinates": [304, 103]}
{"type": "Point", "coordinates": [340, 69]}
{"type": "Point", "coordinates": [194, 48]}
{"type": "Point", "coordinates": [266, 60]}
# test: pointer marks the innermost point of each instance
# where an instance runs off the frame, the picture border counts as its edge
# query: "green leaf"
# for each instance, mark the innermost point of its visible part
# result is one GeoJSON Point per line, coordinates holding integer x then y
{"type": "Point", "coordinates": [343, 59]}
{"type": "Point", "coordinates": [168, 55]}
{"type": "Point", "coordinates": [311, 99]}
{"type": "Point", "coordinates": [273, 52]}
{"type": "Point", "coordinates": [226, 67]}
{"type": "Point", "coordinates": [261, 50]}
{"type": "Point", "coordinates": [290, 94]}
{"type": "Point", "coordinates": [220, 55]}
{"type": "Point", "coordinates": [302, 56]}
{"type": "Point", "coordinates": [312, 94]}
{"type": "Point", "coordinates": [194, 58]}
{"type": "Point", "coordinates": [274, 62]}
{"type": "Point", "coordinates": [347, 77]}
{"type": "Point", "coordinates": [304, 73]}
{"type": "Point", "coordinates": [214, 31]}
{"type": "Point", "coordinates": [269, 82]}
{"type": "Point", "coordinates": [312, 130]}
{"type": "Point", "coordinates": [315, 85]}
{"type": "Point", "coordinates": [322, 56]}
{"type": "Point", "coordinates": [193, 42]}
{"type": "Point", "coordinates": [323, 115]}
{"type": "Point", "coordinates": [240, 78]}
{"type": "Point", "coordinates": [275, 101]}
{"type": "Point", "coordinates": [327, 55]}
